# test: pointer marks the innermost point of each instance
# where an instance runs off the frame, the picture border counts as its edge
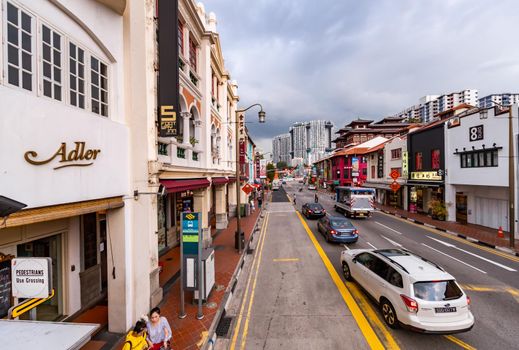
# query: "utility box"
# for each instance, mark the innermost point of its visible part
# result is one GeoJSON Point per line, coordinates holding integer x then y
{"type": "Point", "coordinates": [208, 274]}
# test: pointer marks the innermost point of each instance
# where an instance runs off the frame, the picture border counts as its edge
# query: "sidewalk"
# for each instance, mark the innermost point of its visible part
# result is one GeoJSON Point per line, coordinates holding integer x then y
{"type": "Point", "coordinates": [471, 232]}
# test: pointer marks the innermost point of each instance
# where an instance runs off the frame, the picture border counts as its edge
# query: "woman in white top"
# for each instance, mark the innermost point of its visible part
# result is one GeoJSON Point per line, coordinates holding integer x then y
{"type": "Point", "coordinates": [159, 331]}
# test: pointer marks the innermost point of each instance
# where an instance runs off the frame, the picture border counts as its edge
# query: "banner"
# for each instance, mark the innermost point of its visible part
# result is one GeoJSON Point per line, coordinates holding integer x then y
{"type": "Point", "coordinates": [168, 85]}
{"type": "Point", "coordinates": [263, 169]}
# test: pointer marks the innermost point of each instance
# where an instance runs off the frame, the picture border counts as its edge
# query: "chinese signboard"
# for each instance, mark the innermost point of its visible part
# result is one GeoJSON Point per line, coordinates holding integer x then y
{"type": "Point", "coordinates": [263, 169]}
{"type": "Point", "coordinates": [31, 277]}
{"type": "Point", "coordinates": [405, 164]}
{"type": "Point", "coordinates": [380, 164]}
{"type": "Point", "coordinates": [476, 133]}
{"type": "Point", "coordinates": [425, 175]}
{"type": "Point", "coordinates": [355, 166]}
{"type": "Point", "coordinates": [168, 57]}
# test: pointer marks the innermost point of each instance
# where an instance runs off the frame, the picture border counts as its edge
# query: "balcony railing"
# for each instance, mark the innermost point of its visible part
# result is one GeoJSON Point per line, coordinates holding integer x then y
{"type": "Point", "coordinates": [181, 153]}
{"type": "Point", "coordinates": [162, 149]}
{"type": "Point", "coordinates": [194, 78]}
{"type": "Point", "coordinates": [195, 156]}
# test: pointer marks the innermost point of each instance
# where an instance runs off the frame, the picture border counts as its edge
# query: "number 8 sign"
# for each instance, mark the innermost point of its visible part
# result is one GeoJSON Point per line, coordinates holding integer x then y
{"type": "Point", "coordinates": [476, 133]}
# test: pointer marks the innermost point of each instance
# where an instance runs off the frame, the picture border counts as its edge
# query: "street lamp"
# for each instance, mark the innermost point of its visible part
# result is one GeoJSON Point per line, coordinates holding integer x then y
{"type": "Point", "coordinates": [261, 117]}
{"type": "Point", "coordinates": [511, 177]}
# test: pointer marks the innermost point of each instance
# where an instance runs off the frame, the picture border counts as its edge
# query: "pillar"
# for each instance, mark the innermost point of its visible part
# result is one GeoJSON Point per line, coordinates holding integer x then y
{"type": "Point", "coordinates": [201, 205]}
{"type": "Point", "coordinates": [231, 188]}
{"type": "Point", "coordinates": [450, 202]}
{"type": "Point", "coordinates": [221, 210]}
{"type": "Point", "coordinates": [185, 116]}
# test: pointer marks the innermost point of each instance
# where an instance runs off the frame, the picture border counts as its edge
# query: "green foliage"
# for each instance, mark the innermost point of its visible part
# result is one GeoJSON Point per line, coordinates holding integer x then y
{"type": "Point", "coordinates": [281, 165]}
{"type": "Point", "coordinates": [271, 171]}
{"type": "Point", "coordinates": [438, 209]}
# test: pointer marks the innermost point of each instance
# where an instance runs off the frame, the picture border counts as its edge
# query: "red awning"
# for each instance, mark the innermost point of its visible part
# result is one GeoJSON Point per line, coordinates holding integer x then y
{"type": "Point", "coordinates": [219, 180]}
{"type": "Point", "coordinates": [173, 186]}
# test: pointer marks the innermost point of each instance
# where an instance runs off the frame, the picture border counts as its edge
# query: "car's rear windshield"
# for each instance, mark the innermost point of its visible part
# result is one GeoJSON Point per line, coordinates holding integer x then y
{"type": "Point", "coordinates": [315, 206]}
{"type": "Point", "coordinates": [437, 290]}
{"type": "Point", "coordinates": [340, 223]}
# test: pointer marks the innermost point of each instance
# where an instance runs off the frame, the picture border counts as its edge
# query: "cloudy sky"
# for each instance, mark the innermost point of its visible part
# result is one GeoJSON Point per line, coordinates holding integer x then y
{"type": "Point", "coordinates": [343, 59]}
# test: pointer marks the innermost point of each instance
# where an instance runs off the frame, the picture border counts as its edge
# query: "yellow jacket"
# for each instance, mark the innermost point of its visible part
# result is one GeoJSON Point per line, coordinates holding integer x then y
{"type": "Point", "coordinates": [134, 341]}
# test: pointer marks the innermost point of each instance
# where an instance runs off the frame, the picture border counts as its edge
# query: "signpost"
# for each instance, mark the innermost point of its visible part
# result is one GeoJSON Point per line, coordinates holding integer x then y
{"type": "Point", "coordinates": [191, 260]}
{"type": "Point", "coordinates": [247, 188]}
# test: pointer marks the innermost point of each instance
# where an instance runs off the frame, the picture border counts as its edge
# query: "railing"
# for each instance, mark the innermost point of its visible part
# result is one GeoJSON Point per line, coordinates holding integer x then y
{"type": "Point", "coordinates": [162, 149]}
{"type": "Point", "coordinates": [181, 153]}
{"type": "Point", "coordinates": [195, 156]}
{"type": "Point", "coordinates": [194, 78]}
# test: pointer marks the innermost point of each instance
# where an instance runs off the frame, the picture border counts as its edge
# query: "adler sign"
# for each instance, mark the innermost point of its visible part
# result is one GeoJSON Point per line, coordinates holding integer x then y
{"type": "Point", "coordinates": [80, 155]}
{"type": "Point", "coordinates": [31, 277]}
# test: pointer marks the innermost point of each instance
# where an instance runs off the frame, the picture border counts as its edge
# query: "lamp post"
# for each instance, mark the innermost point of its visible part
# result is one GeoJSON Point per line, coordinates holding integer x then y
{"type": "Point", "coordinates": [511, 177]}
{"type": "Point", "coordinates": [240, 125]}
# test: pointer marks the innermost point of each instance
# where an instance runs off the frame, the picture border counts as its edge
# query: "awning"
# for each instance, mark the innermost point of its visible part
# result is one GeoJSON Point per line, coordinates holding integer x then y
{"type": "Point", "coordinates": [378, 185]}
{"type": "Point", "coordinates": [219, 180]}
{"type": "Point", "coordinates": [61, 211]}
{"type": "Point", "coordinates": [424, 184]}
{"type": "Point", "coordinates": [174, 186]}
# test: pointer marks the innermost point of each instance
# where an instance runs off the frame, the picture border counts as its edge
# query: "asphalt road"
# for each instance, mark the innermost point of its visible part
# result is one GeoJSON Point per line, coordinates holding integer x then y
{"type": "Point", "coordinates": [489, 277]}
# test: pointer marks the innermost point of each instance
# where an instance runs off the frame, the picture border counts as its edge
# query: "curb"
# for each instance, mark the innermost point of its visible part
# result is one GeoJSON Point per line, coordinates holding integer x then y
{"type": "Point", "coordinates": [211, 335]}
{"type": "Point", "coordinates": [468, 238]}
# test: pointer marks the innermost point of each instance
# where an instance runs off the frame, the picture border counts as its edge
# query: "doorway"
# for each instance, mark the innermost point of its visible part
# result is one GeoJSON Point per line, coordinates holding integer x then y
{"type": "Point", "coordinates": [48, 247]}
{"type": "Point", "coordinates": [461, 208]}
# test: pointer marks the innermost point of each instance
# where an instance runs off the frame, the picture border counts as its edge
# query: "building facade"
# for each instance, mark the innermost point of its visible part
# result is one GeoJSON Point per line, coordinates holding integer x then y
{"type": "Point", "coordinates": [281, 148]}
{"type": "Point", "coordinates": [505, 99]}
{"type": "Point", "coordinates": [311, 140]}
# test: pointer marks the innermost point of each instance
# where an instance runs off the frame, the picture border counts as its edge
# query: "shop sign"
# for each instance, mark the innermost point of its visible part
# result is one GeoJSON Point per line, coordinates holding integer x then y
{"type": "Point", "coordinates": [405, 164]}
{"type": "Point", "coordinates": [395, 186]}
{"type": "Point", "coordinates": [190, 233]}
{"type": "Point", "coordinates": [31, 277]}
{"type": "Point", "coordinates": [476, 133]}
{"type": "Point", "coordinates": [425, 175]}
{"type": "Point", "coordinates": [79, 156]}
{"type": "Point", "coordinates": [263, 169]}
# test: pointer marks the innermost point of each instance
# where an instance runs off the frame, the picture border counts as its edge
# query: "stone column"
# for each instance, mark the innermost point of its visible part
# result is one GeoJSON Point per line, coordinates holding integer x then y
{"type": "Point", "coordinates": [221, 210]}
{"type": "Point", "coordinates": [186, 116]}
{"type": "Point", "coordinates": [450, 202]}
{"type": "Point", "coordinates": [201, 205]}
{"type": "Point", "coordinates": [231, 188]}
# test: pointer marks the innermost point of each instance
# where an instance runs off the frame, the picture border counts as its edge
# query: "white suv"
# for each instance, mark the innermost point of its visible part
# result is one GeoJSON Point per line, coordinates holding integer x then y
{"type": "Point", "coordinates": [411, 291]}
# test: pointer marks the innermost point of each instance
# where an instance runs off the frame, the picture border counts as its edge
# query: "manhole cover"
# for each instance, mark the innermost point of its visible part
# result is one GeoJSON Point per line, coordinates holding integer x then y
{"type": "Point", "coordinates": [219, 287]}
{"type": "Point", "coordinates": [222, 329]}
{"type": "Point", "coordinates": [212, 305]}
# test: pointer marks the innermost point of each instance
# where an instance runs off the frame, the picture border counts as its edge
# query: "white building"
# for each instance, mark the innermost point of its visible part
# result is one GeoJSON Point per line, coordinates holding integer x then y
{"type": "Point", "coordinates": [504, 99]}
{"type": "Point", "coordinates": [311, 140]}
{"type": "Point", "coordinates": [476, 181]}
{"type": "Point", "coordinates": [281, 148]}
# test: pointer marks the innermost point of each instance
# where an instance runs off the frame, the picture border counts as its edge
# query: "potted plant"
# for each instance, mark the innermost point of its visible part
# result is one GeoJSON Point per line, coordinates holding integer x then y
{"type": "Point", "coordinates": [193, 141]}
{"type": "Point", "coordinates": [180, 138]}
{"type": "Point", "coordinates": [438, 209]}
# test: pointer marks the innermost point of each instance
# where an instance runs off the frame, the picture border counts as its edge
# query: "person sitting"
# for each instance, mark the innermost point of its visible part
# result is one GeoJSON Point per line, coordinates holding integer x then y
{"type": "Point", "coordinates": [159, 331]}
{"type": "Point", "coordinates": [136, 338]}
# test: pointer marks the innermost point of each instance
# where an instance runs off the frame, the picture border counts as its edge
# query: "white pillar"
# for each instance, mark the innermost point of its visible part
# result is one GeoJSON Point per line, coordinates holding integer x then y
{"type": "Point", "coordinates": [185, 116]}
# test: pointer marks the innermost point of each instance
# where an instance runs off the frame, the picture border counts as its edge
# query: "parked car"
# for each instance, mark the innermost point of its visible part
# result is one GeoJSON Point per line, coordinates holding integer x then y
{"type": "Point", "coordinates": [411, 291]}
{"type": "Point", "coordinates": [337, 229]}
{"type": "Point", "coordinates": [311, 187]}
{"type": "Point", "coordinates": [313, 210]}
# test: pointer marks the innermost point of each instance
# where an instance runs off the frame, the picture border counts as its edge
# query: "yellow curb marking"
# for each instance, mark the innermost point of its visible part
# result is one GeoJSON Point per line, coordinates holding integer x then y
{"type": "Point", "coordinates": [459, 342]}
{"type": "Point", "coordinates": [368, 332]}
{"type": "Point", "coordinates": [498, 289]}
{"type": "Point", "coordinates": [285, 259]}
{"type": "Point", "coordinates": [456, 238]}
{"type": "Point", "coordinates": [203, 336]}
{"type": "Point", "coordinates": [238, 323]}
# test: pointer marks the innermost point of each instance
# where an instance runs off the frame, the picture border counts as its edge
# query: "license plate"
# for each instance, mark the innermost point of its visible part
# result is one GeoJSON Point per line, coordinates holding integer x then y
{"type": "Point", "coordinates": [441, 310]}
{"type": "Point", "coordinates": [317, 212]}
{"type": "Point", "coordinates": [361, 214]}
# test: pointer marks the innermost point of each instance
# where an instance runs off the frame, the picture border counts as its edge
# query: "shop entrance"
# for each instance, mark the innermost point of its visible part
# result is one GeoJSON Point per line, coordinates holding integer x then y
{"type": "Point", "coordinates": [51, 310]}
{"type": "Point", "coordinates": [461, 208]}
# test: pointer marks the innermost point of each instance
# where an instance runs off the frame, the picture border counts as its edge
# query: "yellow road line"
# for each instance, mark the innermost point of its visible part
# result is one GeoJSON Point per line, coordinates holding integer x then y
{"type": "Point", "coordinates": [238, 323]}
{"type": "Point", "coordinates": [456, 238]}
{"type": "Point", "coordinates": [477, 288]}
{"type": "Point", "coordinates": [459, 342]}
{"type": "Point", "coordinates": [247, 318]}
{"type": "Point", "coordinates": [366, 329]}
{"type": "Point", "coordinates": [285, 259]}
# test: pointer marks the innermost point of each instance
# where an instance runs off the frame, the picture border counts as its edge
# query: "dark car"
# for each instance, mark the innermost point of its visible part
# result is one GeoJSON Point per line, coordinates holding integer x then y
{"type": "Point", "coordinates": [338, 229]}
{"type": "Point", "coordinates": [313, 210]}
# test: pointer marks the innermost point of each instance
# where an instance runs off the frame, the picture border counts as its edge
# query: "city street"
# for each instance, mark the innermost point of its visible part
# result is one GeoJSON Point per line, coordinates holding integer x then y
{"type": "Point", "coordinates": [489, 277]}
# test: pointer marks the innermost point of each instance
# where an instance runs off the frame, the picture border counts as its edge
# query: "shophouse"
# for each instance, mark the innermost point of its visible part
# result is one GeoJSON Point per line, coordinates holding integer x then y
{"type": "Point", "coordinates": [477, 154]}
{"type": "Point", "coordinates": [64, 140]}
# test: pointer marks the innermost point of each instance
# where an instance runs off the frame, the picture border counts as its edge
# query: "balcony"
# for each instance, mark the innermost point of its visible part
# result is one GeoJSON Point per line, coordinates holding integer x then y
{"type": "Point", "coordinates": [162, 149]}
{"type": "Point", "coordinates": [181, 153]}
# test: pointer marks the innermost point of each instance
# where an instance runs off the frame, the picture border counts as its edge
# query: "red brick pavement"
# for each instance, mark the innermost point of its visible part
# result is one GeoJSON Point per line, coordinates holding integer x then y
{"type": "Point", "coordinates": [480, 233]}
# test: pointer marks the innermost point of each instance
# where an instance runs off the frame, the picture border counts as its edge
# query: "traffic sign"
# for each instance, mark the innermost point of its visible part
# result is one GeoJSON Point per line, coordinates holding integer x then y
{"type": "Point", "coordinates": [394, 174]}
{"type": "Point", "coordinates": [395, 186]}
{"type": "Point", "coordinates": [247, 188]}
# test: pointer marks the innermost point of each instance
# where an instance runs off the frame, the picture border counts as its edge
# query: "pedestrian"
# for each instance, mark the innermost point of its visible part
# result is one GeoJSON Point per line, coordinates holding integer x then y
{"type": "Point", "coordinates": [260, 200]}
{"type": "Point", "coordinates": [136, 339]}
{"type": "Point", "coordinates": [159, 331]}
{"type": "Point", "coordinates": [316, 198]}
{"type": "Point", "coordinates": [294, 199]}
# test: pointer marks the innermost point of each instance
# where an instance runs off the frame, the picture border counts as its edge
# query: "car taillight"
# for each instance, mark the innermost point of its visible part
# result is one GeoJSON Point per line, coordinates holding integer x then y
{"type": "Point", "coordinates": [410, 304]}
{"type": "Point", "coordinates": [468, 300]}
{"type": "Point", "coordinates": [332, 232]}
{"type": "Point", "coordinates": [356, 232]}
{"type": "Point", "coordinates": [324, 210]}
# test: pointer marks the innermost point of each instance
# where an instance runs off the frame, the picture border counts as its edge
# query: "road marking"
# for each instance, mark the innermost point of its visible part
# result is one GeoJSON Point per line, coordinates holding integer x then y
{"type": "Point", "coordinates": [247, 318]}
{"type": "Point", "coordinates": [458, 260]}
{"type": "Point", "coordinates": [459, 342]}
{"type": "Point", "coordinates": [475, 255]}
{"type": "Point", "coordinates": [285, 259]}
{"type": "Point", "coordinates": [476, 288]}
{"type": "Point", "coordinates": [514, 292]}
{"type": "Point", "coordinates": [345, 246]}
{"type": "Point", "coordinates": [366, 329]}
{"type": "Point", "coordinates": [238, 323]}
{"type": "Point", "coordinates": [456, 238]}
{"type": "Point", "coordinates": [371, 245]}
{"type": "Point", "coordinates": [392, 242]}
{"type": "Point", "coordinates": [389, 228]}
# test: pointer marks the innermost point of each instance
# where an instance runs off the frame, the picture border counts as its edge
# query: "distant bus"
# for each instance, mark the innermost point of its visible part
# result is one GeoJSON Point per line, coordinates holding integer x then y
{"type": "Point", "coordinates": [355, 201]}
{"type": "Point", "coordinates": [276, 184]}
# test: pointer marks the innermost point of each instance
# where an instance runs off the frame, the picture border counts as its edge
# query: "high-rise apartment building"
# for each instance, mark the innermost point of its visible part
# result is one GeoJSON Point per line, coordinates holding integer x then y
{"type": "Point", "coordinates": [281, 147]}
{"type": "Point", "coordinates": [505, 99]}
{"type": "Point", "coordinates": [311, 140]}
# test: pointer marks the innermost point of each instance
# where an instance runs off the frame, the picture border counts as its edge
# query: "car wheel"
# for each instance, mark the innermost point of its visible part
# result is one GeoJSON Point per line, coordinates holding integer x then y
{"type": "Point", "coordinates": [389, 314]}
{"type": "Point", "coordinates": [346, 272]}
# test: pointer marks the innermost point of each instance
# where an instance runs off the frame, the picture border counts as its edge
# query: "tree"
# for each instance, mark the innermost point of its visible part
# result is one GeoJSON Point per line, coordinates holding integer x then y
{"type": "Point", "coordinates": [271, 171]}
{"type": "Point", "coordinates": [281, 165]}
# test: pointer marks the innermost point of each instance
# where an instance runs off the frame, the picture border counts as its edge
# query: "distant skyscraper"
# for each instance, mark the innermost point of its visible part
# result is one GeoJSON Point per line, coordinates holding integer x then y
{"type": "Point", "coordinates": [311, 140]}
{"type": "Point", "coordinates": [281, 148]}
{"type": "Point", "coordinates": [505, 99]}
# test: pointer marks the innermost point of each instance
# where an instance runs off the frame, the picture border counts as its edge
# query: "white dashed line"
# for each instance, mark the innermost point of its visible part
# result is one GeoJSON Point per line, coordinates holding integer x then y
{"type": "Point", "coordinates": [389, 228]}
{"type": "Point", "coordinates": [464, 263]}
{"type": "Point", "coordinates": [372, 246]}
